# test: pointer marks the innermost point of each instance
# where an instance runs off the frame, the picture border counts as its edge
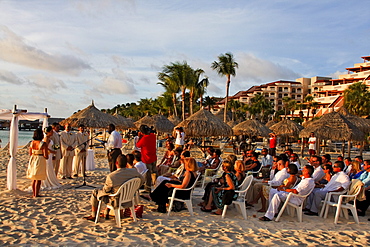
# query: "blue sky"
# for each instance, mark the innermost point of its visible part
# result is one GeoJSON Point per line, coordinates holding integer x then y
{"type": "Point", "coordinates": [64, 54]}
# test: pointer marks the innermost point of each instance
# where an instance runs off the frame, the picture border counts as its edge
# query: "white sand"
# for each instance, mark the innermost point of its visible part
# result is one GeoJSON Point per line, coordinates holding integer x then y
{"type": "Point", "coordinates": [56, 219]}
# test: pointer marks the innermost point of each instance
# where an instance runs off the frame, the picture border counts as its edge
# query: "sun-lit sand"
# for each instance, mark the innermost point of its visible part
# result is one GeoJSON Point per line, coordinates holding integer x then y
{"type": "Point", "coordinates": [56, 219]}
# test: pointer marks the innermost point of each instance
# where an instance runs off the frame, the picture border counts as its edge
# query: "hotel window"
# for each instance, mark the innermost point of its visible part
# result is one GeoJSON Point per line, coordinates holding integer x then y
{"type": "Point", "coordinates": [272, 94]}
{"type": "Point", "coordinates": [299, 96]}
{"type": "Point", "coordinates": [299, 90]}
{"type": "Point", "coordinates": [293, 90]}
{"type": "Point", "coordinates": [293, 96]}
{"type": "Point", "coordinates": [280, 89]}
{"type": "Point", "coordinates": [280, 95]}
{"type": "Point", "coordinates": [285, 95]}
{"type": "Point", "coordinates": [272, 88]}
{"type": "Point", "coordinates": [266, 95]}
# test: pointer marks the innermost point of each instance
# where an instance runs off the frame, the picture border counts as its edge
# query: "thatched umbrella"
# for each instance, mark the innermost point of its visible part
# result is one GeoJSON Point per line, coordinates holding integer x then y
{"type": "Point", "coordinates": [124, 123]}
{"type": "Point", "coordinates": [334, 126]}
{"type": "Point", "coordinates": [159, 122]}
{"type": "Point", "coordinates": [90, 117]}
{"type": "Point", "coordinates": [205, 124]}
{"type": "Point", "coordinates": [232, 123]}
{"type": "Point", "coordinates": [251, 128]}
{"type": "Point", "coordinates": [174, 119]}
{"type": "Point", "coordinates": [286, 128]}
{"type": "Point", "coordinates": [270, 123]}
{"type": "Point", "coordinates": [220, 115]}
{"type": "Point", "coordinates": [361, 123]}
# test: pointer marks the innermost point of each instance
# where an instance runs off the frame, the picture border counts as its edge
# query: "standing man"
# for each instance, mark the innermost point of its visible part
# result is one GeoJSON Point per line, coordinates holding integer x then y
{"type": "Point", "coordinates": [266, 162]}
{"type": "Point", "coordinates": [148, 145]}
{"type": "Point", "coordinates": [312, 144]}
{"type": "Point", "coordinates": [56, 143]}
{"type": "Point", "coordinates": [113, 146]}
{"type": "Point", "coordinates": [81, 151]}
{"type": "Point", "coordinates": [272, 144]}
{"type": "Point", "coordinates": [68, 142]}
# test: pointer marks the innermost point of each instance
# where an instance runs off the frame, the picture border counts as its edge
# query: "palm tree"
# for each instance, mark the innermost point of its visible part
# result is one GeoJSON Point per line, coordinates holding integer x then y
{"type": "Point", "coordinates": [308, 99]}
{"type": "Point", "coordinates": [261, 106]}
{"type": "Point", "coordinates": [225, 66]}
{"type": "Point", "coordinates": [194, 84]}
{"type": "Point", "coordinates": [210, 102]}
{"type": "Point", "coordinates": [171, 86]}
{"type": "Point", "coordinates": [234, 105]}
{"type": "Point", "coordinates": [357, 99]}
{"type": "Point", "coordinates": [288, 105]}
{"type": "Point", "coordinates": [201, 90]}
{"type": "Point", "coordinates": [181, 74]}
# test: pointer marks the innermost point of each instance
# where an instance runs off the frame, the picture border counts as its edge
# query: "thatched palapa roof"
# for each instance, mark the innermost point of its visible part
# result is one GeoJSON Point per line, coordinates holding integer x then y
{"type": "Point", "coordinates": [333, 126]}
{"type": "Point", "coordinates": [90, 117]}
{"type": "Point", "coordinates": [124, 123]}
{"type": "Point", "coordinates": [270, 123]}
{"type": "Point", "coordinates": [286, 128]}
{"type": "Point", "coordinates": [174, 119]}
{"type": "Point", "coordinates": [251, 128]}
{"type": "Point", "coordinates": [159, 122]}
{"type": "Point", "coordinates": [205, 124]}
{"type": "Point", "coordinates": [362, 124]}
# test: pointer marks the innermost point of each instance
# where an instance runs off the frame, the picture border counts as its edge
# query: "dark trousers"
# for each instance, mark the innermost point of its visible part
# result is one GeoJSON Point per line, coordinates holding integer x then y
{"type": "Point", "coordinates": [112, 157]}
{"type": "Point", "coordinates": [363, 205]}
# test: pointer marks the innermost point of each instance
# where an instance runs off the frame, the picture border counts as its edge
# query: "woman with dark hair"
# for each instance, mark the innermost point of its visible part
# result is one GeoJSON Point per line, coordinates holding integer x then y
{"type": "Point", "coordinates": [225, 194]}
{"type": "Point", "coordinates": [167, 160]}
{"type": "Point", "coordinates": [130, 160]}
{"type": "Point", "coordinates": [51, 181]}
{"type": "Point", "coordinates": [37, 165]}
{"type": "Point", "coordinates": [326, 159]}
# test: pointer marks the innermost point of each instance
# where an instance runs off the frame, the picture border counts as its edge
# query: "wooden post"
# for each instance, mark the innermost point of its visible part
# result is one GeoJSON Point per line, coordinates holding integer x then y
{"type": "Point", "coordinates": [349, 149]}
{"type": "Point", "coordinates": [302, 146]}
{"type": "Point", "coordinates": [343, 145]}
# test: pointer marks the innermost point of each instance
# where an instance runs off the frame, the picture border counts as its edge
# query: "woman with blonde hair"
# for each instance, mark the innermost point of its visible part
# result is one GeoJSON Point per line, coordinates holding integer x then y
{"type": "Point", "coordinates": [356, 170]}
{"type": "Point", "coordinates": [161, 193]}
{"type": "Point", "coordinates": [239, 170]}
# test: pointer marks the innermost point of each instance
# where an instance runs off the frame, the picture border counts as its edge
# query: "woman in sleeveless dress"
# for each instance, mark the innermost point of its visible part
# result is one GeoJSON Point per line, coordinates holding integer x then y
{"type": "Point", "coordinates": [167, 160]}
{"type": "Point", "coordinates": [37, 165]}
{"type": "Point", "coordinates": [51, 181]}
{"type": "Point", "coordinates": [164, 190]}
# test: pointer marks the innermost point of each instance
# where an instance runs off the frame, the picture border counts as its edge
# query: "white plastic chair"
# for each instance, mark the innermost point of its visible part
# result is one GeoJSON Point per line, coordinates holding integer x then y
{"type": "Point", "coordinates": [328, 197]}
{"type": "Point", "coordinates": [290, 206]}
{"type": "Point", "coordinates": [209, 173]}
{"type": "Point", "coordinates": [126, 193]}
{"type": "Point", "coordinates": [240, 201]}
{"type": "Point", "coordinates": [137, 198]}
{"type": "Point", "coordinates": [343, 204]}
{"type": "Point", "coordinates": [188, 202]}
{"type": "Point", "coordinates": [255, 172]}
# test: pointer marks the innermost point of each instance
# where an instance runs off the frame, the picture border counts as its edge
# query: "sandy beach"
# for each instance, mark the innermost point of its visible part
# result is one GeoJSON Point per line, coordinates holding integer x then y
{"type": "Point", "coordinates": [56, 220]}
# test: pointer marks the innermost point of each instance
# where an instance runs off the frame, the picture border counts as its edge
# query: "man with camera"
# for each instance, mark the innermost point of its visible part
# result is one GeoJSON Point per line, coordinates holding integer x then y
{"type": "Point", "coordinates": [148, 144]}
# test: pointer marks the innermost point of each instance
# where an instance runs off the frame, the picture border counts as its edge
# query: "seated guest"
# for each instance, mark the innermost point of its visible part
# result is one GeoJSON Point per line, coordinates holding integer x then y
{"type": "Point", "coordinates": [278, 180]}
{"type": "Point", "coordinates": [304, 186]}
{"type": "Point", "coordinates": [177, 174]}
{"type": "Point", "coordinates": [167, 160]}
{"type": "Point", "coordinates": [208, 159]}
{"type": "Point", "coordinates": [328, 171]}
{"type": "Point", "coordinates": [293, 159]}
{"type": "Point", "coordinates": [138, 164]}
{"type": "Point", "coordinates": [356, 170]}
{"type": "Point", "coordinates": [362, 206]}
{"type": "Point", "coordinates": [318, 173]}
{"type": "Point", "coordinates": [239, 170]}
{"type": "Point", "coordinates": [266, 162]}
{"type": "Point", "coordinates": [161, 193]}
{"type": "Point", "coordinates": [247, 157]}
{"type": "Point", "coordinates": [268, 191]}
{"type": "Point", "coordinates": [339, 182]}
{"type": "Point", "coordinates": [254, 165]}
{"type": "Point", "coordinates": [348, 165]}
{"type": "Point", "coordinates": [130, 160]}
{"type": "Point", "coordinates": [224, 194]}
{"type": "Point", "coordinates": [113, 182]}
{"type": "Point", "coordinates": [326, 159]}
{"type": "Point", "coordinates": [215, 162]}
{"type": "Point", "coordinates": [340, 158]}
{"type": "Point", "coordinates": [285, 159]}
{"type": "Point", "coordinates": [232, 158]}
{"type": "Point", "coordinates": [360, 160]}
{"type": "Point", "coordinates": [176, 163]}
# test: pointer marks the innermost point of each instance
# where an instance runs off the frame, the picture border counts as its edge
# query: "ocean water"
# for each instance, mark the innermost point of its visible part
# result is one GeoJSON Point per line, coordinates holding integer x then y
{"type": "Point", "coordinates": [24, 136]}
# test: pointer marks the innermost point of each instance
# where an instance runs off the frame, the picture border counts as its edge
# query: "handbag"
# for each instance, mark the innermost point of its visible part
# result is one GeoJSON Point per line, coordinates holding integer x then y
{"type": "Point", "coordinates": [139, 210]}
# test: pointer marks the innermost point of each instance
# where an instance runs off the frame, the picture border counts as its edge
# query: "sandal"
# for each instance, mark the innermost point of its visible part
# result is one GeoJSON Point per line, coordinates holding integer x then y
{"type": "Point", "coordinates": [205, 210]}
{"type": "Point", "coordinates": [90, 218]}
{"type": "Point", "coordinates": [215, 213]}
{"type": "Point", "coordinates": [261, 211]}
{"type": "Point", "coordinates": [264, 218]}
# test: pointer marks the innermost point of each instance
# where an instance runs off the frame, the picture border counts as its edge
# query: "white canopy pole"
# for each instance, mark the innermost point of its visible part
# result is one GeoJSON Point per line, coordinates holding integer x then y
{"type": "Point", "coordinates": [45, 123]}
{"type": "Point", "coordinates": [13, 145]}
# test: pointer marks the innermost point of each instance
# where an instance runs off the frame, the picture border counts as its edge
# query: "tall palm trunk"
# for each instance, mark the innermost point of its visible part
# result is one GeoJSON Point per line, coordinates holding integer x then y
{"type": "Point", "coordinates": [191, 102]}
{"type": "Point", "coordinates": [174, 103]}
{"type": "Point", "coordinates": [227, 96]}
{"type": "Point", "coordinates": [201, 101]}
{"type": "Point", "coordinates": [183, 102]}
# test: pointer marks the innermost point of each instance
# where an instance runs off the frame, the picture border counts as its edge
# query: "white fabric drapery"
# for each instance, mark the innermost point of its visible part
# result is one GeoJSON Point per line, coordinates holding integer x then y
{"type": "Point", "coordinates": [15, 116]}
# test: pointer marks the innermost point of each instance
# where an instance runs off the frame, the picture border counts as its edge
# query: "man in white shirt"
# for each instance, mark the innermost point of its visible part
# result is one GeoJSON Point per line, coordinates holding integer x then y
{"type": "Point", "coordinates": [318, 173]}
{"type": "Point", "coordinates": [312, 144]}
{"type": "Point", "coordinates": [348, 165]}
{"type": "Point", "coordinates": [113, 147]}
{"type": "Point", "coordinates": [266, 162]}
{"type": "Point", "coordinates": [339, 182]}
{"type": "Point", "coordinates": [138, 164]}
{"type": "Point", "coordinates": [304, 187]}
{"type": "Point", "coordinates": [56, 145]}
{"type": "Point", "coordinates": [293, 159]}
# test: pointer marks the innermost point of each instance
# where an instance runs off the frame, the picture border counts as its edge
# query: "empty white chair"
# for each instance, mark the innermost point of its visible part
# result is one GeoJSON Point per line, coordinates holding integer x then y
{"type": "Point", "coordinates": [291, 206]}
{"type": "Point", "coordinates": [126, 193]}
{"type": "Point", "coordinates": [343, 204]}
{"type": "Point", "coordinates": [188, 202]}
{"type": "Point", "coordinates": [240, 201]}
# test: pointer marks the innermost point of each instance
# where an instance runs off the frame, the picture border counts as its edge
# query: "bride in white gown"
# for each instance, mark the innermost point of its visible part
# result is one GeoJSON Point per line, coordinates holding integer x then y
{"type": "Point", "coordinates": [51, 181]}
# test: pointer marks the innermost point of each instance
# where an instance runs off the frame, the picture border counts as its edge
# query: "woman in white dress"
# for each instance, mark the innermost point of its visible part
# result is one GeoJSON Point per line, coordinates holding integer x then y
{"type": "Point", "coordinates": [51, 181]}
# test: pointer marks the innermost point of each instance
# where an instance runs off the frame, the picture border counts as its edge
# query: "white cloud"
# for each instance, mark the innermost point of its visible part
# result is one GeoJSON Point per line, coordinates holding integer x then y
{"type": "Point", "coordinates": [9, 77]}
{"type": "Point", "coordinates": [44, 82]}
{"type": "Point", "coordinates": [14, 49]}
{"type": "Point", "coordinates": [112, 86]}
